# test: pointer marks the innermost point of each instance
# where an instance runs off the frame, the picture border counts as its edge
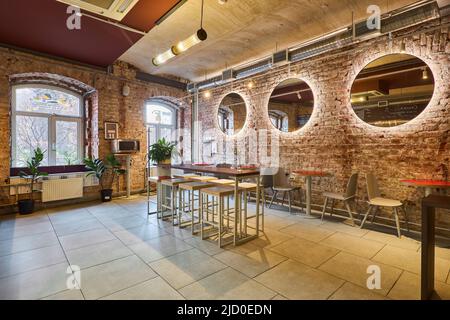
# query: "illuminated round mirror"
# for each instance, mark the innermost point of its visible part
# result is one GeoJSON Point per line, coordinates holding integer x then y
{"type": "Point", "coordinates": [232, 114]}
{"type": "Point", "coordinates": [392, 90]}
{"type": "Point", "coordinates": [291, 105]}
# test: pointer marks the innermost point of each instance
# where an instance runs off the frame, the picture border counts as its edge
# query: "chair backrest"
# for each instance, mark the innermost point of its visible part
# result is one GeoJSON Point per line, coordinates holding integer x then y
{"type": "Point", "coordinates": [352, 186]}
{"type": "Point", "coordinates": [281, 178]}
{"type": "Point", "coordinates": [267, 177]}
{"type": "Point", "coordinates": [372, 186]}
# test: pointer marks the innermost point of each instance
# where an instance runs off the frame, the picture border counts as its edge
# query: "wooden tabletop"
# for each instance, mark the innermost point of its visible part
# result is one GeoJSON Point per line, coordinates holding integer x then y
{"type": "Point", "coordinates": [232, 172]}
{"type": "Point", "coordinates": [310, 173]}
{"type": "Point", "coordinates": [422, 183]}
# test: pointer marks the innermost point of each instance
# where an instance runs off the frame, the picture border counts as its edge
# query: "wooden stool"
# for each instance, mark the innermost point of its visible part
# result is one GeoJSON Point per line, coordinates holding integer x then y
{"type": "Point", "coordinates": [172, 184]}
{"type": "Point", "coordinates": [203, 178]}
{"type": "Point", "coordinates": [223, 181]}
{"type": "Point", "coordinates": [218, 194]}
{"type": "Point", "coordinates": [248, 188]}
{"type": "Point", "coordinates": [157, 180]}
{"type": "Point", "coordinates": [190, 187]}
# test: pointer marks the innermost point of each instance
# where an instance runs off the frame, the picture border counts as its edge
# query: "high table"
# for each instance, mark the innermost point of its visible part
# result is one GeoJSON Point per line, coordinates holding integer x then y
{"type": "Point", "coordinates": [428, 185]}
{"type": "Point", "coordinates": [429, 206]}
{"type": "Point", "coordinates": [237, 175]}
{"type": "Point", "coordinates": [308, 174]}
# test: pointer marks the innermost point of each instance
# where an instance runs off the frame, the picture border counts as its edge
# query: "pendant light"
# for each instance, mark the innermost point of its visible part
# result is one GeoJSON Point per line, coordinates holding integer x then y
{"type": "Point", "coordinates": [184, 45]}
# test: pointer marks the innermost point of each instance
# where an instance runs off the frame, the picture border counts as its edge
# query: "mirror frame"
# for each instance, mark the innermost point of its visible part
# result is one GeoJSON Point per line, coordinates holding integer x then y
{"type": "Point", "coordinates": [364, 64]}
{"type": "Point", "coordinates": [313, 114]}
{"type": "Point", "coordinates": [217, 113]}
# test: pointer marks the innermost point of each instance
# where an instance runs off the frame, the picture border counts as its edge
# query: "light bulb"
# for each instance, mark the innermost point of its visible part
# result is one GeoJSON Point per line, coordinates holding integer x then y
{"type": "Point", "coordinates": [425, 74]}
{"type": "Point", "coordinates": [184, 45]}
{"type": "Point", "coordinates": [207, 94]}
{"type": "Point", "coordinates": [163, 57]}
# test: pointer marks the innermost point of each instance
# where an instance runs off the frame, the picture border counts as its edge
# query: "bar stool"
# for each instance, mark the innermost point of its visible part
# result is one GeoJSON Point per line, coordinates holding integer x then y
{"type": "Point", "coordinates": [186, 175]}
{"type": "Point", "coordinates": [223, 182]}
{"type": "Point", "coordinates": [218, 193]}
{"type": "Point", "coordinates": [157, 180]}
{"type": "Point", "coordinates": [190, 188]}
{"type": "Point", "coordinates": [172, 185]}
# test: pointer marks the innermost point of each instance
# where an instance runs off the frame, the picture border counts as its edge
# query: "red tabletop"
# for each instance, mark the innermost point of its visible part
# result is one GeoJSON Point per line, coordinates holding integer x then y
{"type": "Point", "coordinates": [310, 173]}
{"type": "Point", "coordinates": [426, 183]}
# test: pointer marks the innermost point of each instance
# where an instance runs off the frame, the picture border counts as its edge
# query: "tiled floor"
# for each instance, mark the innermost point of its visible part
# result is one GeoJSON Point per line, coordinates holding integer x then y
{"type": "Point", "coordinates": [125, 255]}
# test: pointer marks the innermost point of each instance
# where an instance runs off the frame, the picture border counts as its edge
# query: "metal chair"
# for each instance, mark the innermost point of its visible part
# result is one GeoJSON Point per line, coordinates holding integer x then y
{"type": "Point", "coordinates": [347, 197]}
{"type": "Point", "coordinates": [281, 183]}
{"type": "Point", "coordinates": [376, 200]}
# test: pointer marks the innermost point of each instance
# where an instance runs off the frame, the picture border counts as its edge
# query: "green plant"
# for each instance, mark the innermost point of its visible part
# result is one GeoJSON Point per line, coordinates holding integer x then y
{"type": "Point", "coordinates": [32, 173]}
{"type": "Point", "coordinates": [161, 150]}
{"type": "Point", "coordinates": [105, 171]}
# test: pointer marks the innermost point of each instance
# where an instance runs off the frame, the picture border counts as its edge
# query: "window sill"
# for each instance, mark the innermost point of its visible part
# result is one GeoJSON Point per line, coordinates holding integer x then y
{"type": "Point", "coordinates": [14, 172]}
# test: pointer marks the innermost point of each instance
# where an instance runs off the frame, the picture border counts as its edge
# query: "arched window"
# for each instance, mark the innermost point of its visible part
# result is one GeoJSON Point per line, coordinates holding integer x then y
{"type": "Point", "coordinates": [160, 120]}
{"type": "Point", "coordinates": [50, 118]}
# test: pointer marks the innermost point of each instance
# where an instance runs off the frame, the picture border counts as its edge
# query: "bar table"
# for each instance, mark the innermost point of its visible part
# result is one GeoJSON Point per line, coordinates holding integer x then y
{"type": "Point", "coordinates": [237, 174]}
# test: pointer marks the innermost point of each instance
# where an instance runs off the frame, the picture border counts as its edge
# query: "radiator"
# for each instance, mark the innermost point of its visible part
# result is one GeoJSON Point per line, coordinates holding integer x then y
{"type": "Point", "coordinates": [62, 189]}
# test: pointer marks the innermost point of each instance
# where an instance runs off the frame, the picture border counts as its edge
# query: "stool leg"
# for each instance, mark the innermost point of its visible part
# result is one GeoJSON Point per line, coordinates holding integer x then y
{"type": "Point", "coordinates": [289, 201]}
{"type": "Point", "coordinates": [262, 211]}
{"type": "Point", "coordinates": [221, 208]}
{"type": "Point", "coordinates": [349, 212]}
{"type": "Point", "coordinates": [228, 213]}
{"type": "Point", "coordinates": [275, 193]}
{"type": "Point", "coordinates": [192, 207]}
{"type": "Point", "coordinates": [324, 207]}
{"type": "Point", "coordinates": [200, 213]}
{"type": "Point", "coordinates": [397, 222]}
{"type": "Point", "coordinates": [180, 206]}
{"type": "Point", "coordinates": [406, 217]}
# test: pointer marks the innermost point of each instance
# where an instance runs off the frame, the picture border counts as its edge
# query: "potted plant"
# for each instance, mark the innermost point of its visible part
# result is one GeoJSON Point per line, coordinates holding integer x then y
{"type": "Point", "coordinates": [106, 172]}
{"type": "Point", "coordinates": [32, 175]}
{"type": "Point", "coordinates": [161, 153]}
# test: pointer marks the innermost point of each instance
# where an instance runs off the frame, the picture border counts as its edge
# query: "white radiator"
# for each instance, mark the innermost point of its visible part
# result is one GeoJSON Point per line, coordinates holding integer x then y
{"type": "Point", "coordinates": [62, 189]}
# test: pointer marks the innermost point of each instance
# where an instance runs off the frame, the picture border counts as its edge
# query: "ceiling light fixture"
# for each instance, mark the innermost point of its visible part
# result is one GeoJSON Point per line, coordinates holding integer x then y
{"type": "Point", "coordinates": [184, 45]}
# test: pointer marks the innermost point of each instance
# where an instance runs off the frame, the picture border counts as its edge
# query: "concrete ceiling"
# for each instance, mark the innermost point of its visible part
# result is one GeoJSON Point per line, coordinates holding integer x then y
{"type": "Point", "coordinates": [244, 30]}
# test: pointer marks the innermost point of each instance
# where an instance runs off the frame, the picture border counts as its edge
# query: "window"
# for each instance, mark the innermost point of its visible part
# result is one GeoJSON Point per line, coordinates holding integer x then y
{"type": "Point", "coordinates": [49, 118]}
{"type": "Point", "coordinates": [161, 122]}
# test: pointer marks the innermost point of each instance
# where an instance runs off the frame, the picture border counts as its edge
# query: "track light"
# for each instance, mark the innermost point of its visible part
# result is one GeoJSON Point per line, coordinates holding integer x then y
{"type": "Point", "coordinates": [182, 46]}
{"type": "Point", "coordinates": [207, 94]}
{"type": "Point", "coordinates": [425, 74]}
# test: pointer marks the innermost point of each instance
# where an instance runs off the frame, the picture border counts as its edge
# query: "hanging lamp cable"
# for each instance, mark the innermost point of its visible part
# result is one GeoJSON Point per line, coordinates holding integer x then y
{"type": "Point", "coordinates": [201, 19]}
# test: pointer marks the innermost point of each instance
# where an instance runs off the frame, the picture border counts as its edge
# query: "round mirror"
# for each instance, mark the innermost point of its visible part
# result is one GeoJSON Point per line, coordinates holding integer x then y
{"type": "Point", "coordinates": [232, 114]}
{"type": "Point", "coordinates": [392, 90]}
{"type": "Point", "coordinates": [291, 105]}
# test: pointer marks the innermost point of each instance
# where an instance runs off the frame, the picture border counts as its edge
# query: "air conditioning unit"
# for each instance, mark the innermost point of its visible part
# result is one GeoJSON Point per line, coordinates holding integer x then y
{"type": "Point", "coordinates": [113, 9]}
{"type": "Point", "coordinates": [280, 57]}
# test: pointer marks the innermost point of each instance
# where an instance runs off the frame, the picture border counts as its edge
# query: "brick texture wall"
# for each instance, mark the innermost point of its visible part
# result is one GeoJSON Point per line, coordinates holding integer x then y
{"type": "Point", "coordinates": [335, 139]}
{"type": "Point", "coordinates": [106, 104]}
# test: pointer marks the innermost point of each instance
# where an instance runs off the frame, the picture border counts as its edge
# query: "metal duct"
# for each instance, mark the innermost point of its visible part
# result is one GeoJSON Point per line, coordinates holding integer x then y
{"type": "Point", "coordinates": [258, 67]}
{"type": "Point", "coordinates": [410, 17]}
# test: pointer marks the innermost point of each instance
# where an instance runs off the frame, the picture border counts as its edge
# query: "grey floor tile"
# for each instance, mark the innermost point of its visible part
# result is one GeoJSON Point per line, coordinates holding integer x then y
{"type": "Point", "coordinates": [139, 234]}
{"type": "Point", "coordinates": [64, 229]}
{"type": "Point", "coordinates": [227, 284]}
{"type": "Point", "coordinates": [307, 231]}
{"type": "Point", "coordinates": [85, 238]}
{"type": "Point", "coordinates": [350, 291]}
{"type": "Point", "coordinates": [154, 289]}
{"type": "Point", "coordinates": [30, 260]}
{"type": "Point", "coordinates": [108, 278]}
{"type": "Point", "coordinates": [158, 248]}
{"type": "Point", "coordinates": [25, 230]}
{"type": "Point", "coordinates": [98, 253]}
{"type": "Point", "coordinates": [66, 295]}
{"type": "Point", "coordinates": [186, 267]}
{"type": "Point", "coordinates": [124, 223]}
{"type": "Point", "coordinates": [355, 245]}
{"type": "Point", "coordinates": [297, 281]}
{"type": "Point", "coordinates": [27, 243]}
{"type": "Point", "coordinates": [34, 284]}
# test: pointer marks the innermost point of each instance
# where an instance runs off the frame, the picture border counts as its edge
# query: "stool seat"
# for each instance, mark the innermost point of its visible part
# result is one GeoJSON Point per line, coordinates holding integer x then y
{"type": "Point", "coordinates": [203, 178]}
{"type": "Point", "coordinates": [247, 186]}
{"type": "Point", "coordinates": [219, 191]}
{"type": "Point", "coordinates": [186, 175]}
{"type": "Point", "coordinates": [194, 186]}
{"type": "Point", "coordinates": [158, 178]}
{"type": "Point", "coordinates": [224, 181]}
{"type": "Point", "coordinates": [174, 182]}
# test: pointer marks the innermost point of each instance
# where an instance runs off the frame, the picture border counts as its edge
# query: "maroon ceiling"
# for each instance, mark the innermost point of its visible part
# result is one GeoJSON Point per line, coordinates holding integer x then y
{"type": "Point", "coordinates": [40, 25]}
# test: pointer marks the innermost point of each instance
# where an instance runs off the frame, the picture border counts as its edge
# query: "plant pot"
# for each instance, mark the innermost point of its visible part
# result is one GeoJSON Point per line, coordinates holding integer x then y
{"type": "Point", "coordinates": [163, 168]}
{"type": "Point", "coordinates": [26, 206]}
{"type": "Point", "coordinates": [106, 195]}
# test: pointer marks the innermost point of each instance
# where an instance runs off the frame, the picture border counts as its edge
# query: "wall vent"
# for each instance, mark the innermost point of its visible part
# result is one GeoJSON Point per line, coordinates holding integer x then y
{"type": "Point", "coordinates": [228, 75]}
{"type": "Point", "coordinates": [280, 57]}
{"type": "Point", "coordinates": [113, 9]}
{"type": "Point", "coordinates": [258, 67]}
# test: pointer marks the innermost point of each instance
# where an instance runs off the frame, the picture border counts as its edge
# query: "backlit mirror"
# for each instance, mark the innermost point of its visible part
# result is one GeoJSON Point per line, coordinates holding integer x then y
{"type": "Point", "coordinates": [291, 105]}
{"type": "Point", "coordinates": [392, 90]}
{"type": "Point", "coordinates": [232, 114]}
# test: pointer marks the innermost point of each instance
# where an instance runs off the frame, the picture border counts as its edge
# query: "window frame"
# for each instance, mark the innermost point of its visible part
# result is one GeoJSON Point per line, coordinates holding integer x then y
{"type": "Point", "coordinates": [159, 126]}
{"type": "Point", "coordinates": [52, 120]}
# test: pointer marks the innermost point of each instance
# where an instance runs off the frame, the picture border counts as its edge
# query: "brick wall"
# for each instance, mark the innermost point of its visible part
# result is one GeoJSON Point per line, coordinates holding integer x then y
{"type": "Point", "coordinates": [106, 104]}
{"type": "Point", "coordinates": [335, 139]}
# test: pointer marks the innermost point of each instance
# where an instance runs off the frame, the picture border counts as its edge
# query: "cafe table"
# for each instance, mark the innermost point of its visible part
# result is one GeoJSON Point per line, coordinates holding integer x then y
{"type": "Point", "coordinates": [309, 174]}
{"type": "Point", "coordinates": [427, 185]}
{"type": "Point", "coordinates": [236, 174]}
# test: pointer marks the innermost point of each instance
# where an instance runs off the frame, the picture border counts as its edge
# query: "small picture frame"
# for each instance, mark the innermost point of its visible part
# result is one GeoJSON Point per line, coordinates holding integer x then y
{"type": "Point", "coordinates": [111, 130]}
